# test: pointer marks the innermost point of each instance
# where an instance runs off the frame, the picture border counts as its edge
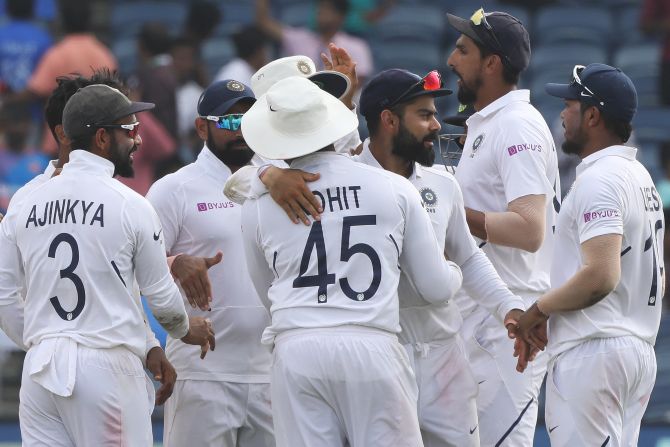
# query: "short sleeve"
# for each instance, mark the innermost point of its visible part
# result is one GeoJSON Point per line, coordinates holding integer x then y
{"type": "Point", "coordinates": [165, 199]}
{"type": "Point", "coordinates": [523, 151]}
{"type": "Point", "coordinates": [599, 208]}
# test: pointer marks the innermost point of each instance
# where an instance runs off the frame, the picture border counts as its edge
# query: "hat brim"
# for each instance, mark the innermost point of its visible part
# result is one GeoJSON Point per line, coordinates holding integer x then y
{"type": "Point", "coordinates": [134, 107]}
{"type": "Point", "coordinates": [464, 26]}
{"type": "Point", "coordinates": [332, 82]}
{"type": "Point", "coordinates": [276, 144]}
{"type": "Point", "coordinates": [565, 91]}
{"type": "Point", "coordinates": [223, 108]}
{"type": "Point", "coordinates": [455, 120]}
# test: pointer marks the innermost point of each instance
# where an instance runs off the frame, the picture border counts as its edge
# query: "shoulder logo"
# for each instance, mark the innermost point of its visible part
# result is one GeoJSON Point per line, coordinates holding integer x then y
{"type": "Point", "coordinates": [475, 145]}
{"type": "Point", "coordinates": [235, 86]}
{"type": "Point", "coordinates": [304, 68]}
{"type": "Point", "coordinates": [428, 197]}
{"type": "Point", "coordinates": [157, 235]}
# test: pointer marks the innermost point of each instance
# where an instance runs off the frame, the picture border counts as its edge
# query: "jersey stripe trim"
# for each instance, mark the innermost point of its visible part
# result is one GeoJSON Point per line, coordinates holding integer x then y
{"type": "Point", "coordinates": [509, 430]}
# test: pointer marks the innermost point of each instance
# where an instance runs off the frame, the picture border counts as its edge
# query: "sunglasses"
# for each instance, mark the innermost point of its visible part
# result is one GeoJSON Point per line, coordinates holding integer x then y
{"type": "Point", "coordinates": [577, 82]}
{"type": "Point", "coordinates": [479, 19]}
{"type": "Point", "coordinates": [133, 129]}
{"type": "Point", "coordinates": [431, 82]}
{"type": "Point", "coordinates": [229, 122]}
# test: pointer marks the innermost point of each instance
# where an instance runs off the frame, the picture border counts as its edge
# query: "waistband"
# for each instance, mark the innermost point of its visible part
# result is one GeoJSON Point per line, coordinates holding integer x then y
{"type": "Point", "coordinates": [344, 330]}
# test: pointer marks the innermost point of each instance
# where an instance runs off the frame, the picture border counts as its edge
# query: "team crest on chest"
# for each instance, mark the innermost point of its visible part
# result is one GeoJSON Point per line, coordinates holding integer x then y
{"type": "Point", "coordinates": [475, 145]}
{"type": "Point", "coordinates": [428, 199]}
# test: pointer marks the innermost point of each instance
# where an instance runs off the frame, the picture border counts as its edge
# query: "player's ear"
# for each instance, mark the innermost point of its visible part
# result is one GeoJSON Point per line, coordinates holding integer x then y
{"type": "Point", "coordinates": [61, 138]}
{"type": "Point", "coordinates": [389, 120]}
{"type": "Point", "coordinates": [102, 139]}
{"type": "Point", "coordinates": [201, 128]}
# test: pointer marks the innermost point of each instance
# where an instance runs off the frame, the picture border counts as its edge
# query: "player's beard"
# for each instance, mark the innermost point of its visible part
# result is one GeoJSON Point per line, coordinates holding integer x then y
{"type": "Point", "coordinates": [467, 93]}
{"type": "Point", "coordinates": [410, 148]}
{"type": "Point", "coordinates": [575, 145]}
{"type": "Point", "coordinates": [229, 154]}
{"type": "Point", "coordinates": [123, 164]}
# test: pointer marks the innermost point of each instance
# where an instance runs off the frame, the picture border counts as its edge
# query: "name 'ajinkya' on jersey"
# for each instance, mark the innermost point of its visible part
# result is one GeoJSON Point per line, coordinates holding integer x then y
{"type": "Point", "coordinates": [509, 153]}
{"type": "Point", "coordinates": [344, 269]}
{"type": "Point", "coordinates": [82, 237]}
{"type": "Point", "coordinates": [613, 194]}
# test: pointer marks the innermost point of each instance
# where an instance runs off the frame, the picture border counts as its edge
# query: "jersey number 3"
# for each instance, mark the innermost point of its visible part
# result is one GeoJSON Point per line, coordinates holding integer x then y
{"type": "Point", "coordinates": [68, 273]}
{"type": "Point", "coordinates": [323, 279]}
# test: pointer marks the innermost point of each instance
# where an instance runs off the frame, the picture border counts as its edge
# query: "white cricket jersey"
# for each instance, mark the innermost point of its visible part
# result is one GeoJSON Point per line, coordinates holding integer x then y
{"type": "Point", "coordinates": [199, 220]}
{"type": "Point", "coordinates": [82, 237]}
{"type": "Point", "coordinates": [509, 153]}
{"type": "Point", "coordinates": [613, 194]}
{"type": "Point", "coordinates": [442, 200]}
{"type": "Point", "coordinates": [345, 269]}
{"type": "Point", "coordinates": [7, 262]}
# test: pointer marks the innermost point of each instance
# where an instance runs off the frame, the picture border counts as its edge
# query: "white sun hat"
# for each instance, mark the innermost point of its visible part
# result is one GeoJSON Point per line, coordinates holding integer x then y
{"type": "Point", "coordinates": [295, 118]}
{"type": "Point", "coordinates": [333, 82]}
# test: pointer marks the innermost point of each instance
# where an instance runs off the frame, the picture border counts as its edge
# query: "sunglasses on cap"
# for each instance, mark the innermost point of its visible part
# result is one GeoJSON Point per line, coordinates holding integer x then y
{"type": "Point", "coordinates": [133, 129]}
{"type": "Point", "coordinates": [229, 122]}
{"type": "Point", "coordinates": [576, 81]}
{"type": "Point", "coordinates": [431, 82]}
{"type": "Point", "coordinates": [479, 19]}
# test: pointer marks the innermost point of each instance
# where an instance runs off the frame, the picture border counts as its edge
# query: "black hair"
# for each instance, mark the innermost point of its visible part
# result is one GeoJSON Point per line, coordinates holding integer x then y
{"type": "Point", "coordinates": [75, 15]}
{"type": "Point", "coordinates": [341, 6]}
{"type": "Point", "coordinates": [155, 38]}
{"type": "Point", "coordinates": [203, 17]}
{"type": "Point", "coordinates": [621, 129]}
{"type": "Point", "coordinates": [20, 9]}
{"type": "Point", "coordinates": [374, 120]}
{"type": "Point", "coordinates": [510, 75]}
{"type": "Point", "coordinates": [68, 86]}
{"type": "Point", "coordinates": [249, 40]}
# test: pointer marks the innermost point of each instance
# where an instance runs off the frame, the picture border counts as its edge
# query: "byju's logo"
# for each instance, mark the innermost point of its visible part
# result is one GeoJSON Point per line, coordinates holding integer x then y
{"type": "Point", "coordinates": [206, 206]}
{"type": "Point", "coordinates": [600, 214]}
{"type": "Point", "coordinates": [202, 206]}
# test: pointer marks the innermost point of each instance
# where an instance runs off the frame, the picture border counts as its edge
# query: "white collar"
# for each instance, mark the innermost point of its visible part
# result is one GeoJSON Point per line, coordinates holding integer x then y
{"type": "Point", "coordinates": [50, 169]}
{"type": "Point", "coordinates": [370, 160]}
{"type": "Point", "coordinates": [89, 163]}
{"type": "Point", "coordinates": [212, 164]}
{"type": "Point", "coordinates": [626, 152]}
{"type": "Point", "coordinates": [500, 103]}
{"type": "Point", "coordinates": [306, 160]}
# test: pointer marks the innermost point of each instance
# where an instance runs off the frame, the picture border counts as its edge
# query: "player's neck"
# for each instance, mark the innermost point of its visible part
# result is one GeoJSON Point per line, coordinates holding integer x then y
{"type": "Point", "coordinates": [490, 93]}
{"type": "Point", "coordinates": [388, 160]}
{"type": "Point", "coordinates": [601, 142]}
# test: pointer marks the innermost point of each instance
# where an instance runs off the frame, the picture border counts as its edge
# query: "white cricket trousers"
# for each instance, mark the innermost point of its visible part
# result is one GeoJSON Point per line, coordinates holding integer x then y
{"type": "Point", "coordinates": [447, 393]}
{"type": "Point", "coordinates": [598, 391]}
{"type": "Point", "coordinates": [507, 401]}
{"type": "Point", "coordinates": [217, 413]}
{"type": "Point", "coordinates": [110, 404]}
{"type": "Point", "coordinates": [344, 386]}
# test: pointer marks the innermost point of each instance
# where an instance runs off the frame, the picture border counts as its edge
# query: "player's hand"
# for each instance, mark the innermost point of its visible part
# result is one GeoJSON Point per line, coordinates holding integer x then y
{"type": "Point", "coordinates": [163, 372]}
{"type": "Point", "coordinates": [288, 187]}
{"type": "Point", "coordinates": [511, 322]}
{"type": "Point", "coordinates": [341, 61]}
{"type": "Point", "coordinates": [200, 333]}
{"type": "Point", "coordinates": [532, 327]}
{"type": "Point", "coordinates": [191, 272]}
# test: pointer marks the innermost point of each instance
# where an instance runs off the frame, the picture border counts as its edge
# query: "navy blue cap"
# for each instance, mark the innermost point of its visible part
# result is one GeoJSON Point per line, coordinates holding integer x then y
{"type": "Point", "coordinates": [388, 86]}
{"type": "Point", "coordinates": [507, 37]}
{"type": "Point", "coordinates": [222, 95]}
{"type": "Point", "coordinates": [464, 112]}
{"type": "Point", "coordinates": [610, 90]}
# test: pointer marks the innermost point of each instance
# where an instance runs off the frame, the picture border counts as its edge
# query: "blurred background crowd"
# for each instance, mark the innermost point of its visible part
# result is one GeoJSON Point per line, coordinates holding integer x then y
{"type": "Point", "coordinates": [168, 51]}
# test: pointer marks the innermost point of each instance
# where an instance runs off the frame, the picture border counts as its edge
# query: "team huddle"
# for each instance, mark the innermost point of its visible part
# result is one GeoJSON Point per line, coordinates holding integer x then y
{"type": "Point", "coordinates": [320, 290]}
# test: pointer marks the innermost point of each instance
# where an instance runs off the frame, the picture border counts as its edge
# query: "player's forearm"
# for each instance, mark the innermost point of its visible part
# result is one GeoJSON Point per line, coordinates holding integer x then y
{"type": "Point", "coordinates": [151, 340]}
{"type": "Point", "coordinates": [483, 284]}
{"type": "Point", "coordinates": [512, 230]}
{"type": "Point", "coordinates": [11, 321]}
{"type": "Point", "coordinates": [476, 222]}
{"type": "Point", "coordinates": [167, 305]}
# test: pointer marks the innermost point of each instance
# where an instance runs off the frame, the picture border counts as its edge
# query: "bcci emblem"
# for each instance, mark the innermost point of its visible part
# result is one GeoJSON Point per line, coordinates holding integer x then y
{"type": "Point", "coordinates": [476, 144]}
{"type": "Point", "coordinates": [304, 68]}
{"type": "Point", "coordinates": [235, 86]}
{"type": "Point", "coordinates": [428, 197]}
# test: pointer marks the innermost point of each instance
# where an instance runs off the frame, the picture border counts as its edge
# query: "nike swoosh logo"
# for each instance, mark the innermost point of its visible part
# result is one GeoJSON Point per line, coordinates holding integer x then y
{"type": "Point", "coordinates": [585, 94]}
{"type": "Point", "coordinates": [272, 110]}
{"type": "Point", "coordinates": [479, 383]}
{"type": "Point", "coordinates": [553, 428]}
{"type": "Point", "coordinates": [157, 235]}
{"type": "Point", "coordinates": [472, 430]}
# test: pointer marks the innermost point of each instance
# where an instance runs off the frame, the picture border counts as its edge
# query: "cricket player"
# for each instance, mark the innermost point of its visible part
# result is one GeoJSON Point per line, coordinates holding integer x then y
{"type": "Point", "coordinates": [508, 173]}
{"type": "Point", "coordinates": [607, 274]}
{"type": "Point", "coordinates": [339, 375]}
{"type": "Point", "coordinates": [223, 400]}
{"type": "Point", "coordinates": [77, 242]}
